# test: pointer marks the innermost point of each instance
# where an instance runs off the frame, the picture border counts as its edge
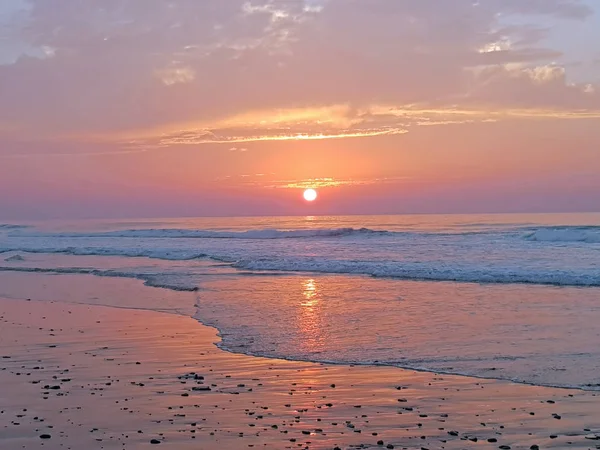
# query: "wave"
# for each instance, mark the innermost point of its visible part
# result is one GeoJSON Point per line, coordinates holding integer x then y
{"type": "Point", "coordinates": [152, 280]}
{"type": "Point", "coordinates": [588, 235]}
{"type": "Point", "coordinates": [211, 234]}
{"type": "Point", "coordinates": [405, 270]}
{"type": "Point", "coordinates": [428, 272]}
{"type": "Point", "coordinates": [500, 256]}
{"type": "Point", "coordinates": [10, 226]}
{"type": "Point", "coordinates": [162, 254]}
{"type": "Point", "coordinates": [581, 234]}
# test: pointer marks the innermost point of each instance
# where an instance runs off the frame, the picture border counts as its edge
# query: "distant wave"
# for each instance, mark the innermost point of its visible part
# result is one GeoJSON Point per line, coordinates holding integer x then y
{"type": "Point", "coordinates": [211, 234]}
{"type": "Point", "coordinates": [588, 235]}
{"type": "Point", "coordinates": [583, 234]}
{"type": "Point", "coordinates": [10, 226]}
{"type": "Point", "coordinates": [258, 234]}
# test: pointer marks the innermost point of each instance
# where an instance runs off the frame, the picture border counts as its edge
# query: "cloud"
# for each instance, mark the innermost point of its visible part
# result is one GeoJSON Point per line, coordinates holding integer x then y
{"type": "Point", "coordinates": [175, 75]}
{"type": "Point", "coordinates": [185, 71]}
{"type": "Point", "coordinates": [571, 9]}
{"type": "Point", "coordinates": [269, 181]}
{"type": "Point", "coordinates": [342, 122]}
{"type": "Point", "coordinates": [523, 86]}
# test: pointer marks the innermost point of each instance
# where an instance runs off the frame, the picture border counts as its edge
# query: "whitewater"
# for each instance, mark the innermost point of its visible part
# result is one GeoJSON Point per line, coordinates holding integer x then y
{"type": "Point", "coordinates": [515, 268]}
{"type": "Point", "coordinates": [495, 251]}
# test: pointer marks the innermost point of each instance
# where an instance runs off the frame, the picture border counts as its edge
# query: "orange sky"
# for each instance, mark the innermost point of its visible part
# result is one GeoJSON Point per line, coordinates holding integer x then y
{"type": "Point", "coordinates": [151, 108]}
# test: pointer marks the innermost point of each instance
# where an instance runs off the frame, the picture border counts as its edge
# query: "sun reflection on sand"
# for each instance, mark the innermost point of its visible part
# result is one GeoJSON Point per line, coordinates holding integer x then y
{"type": "Point", "coordinates": [310, 322]}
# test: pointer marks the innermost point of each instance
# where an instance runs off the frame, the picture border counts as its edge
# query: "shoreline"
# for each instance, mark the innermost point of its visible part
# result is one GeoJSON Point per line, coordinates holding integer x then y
{"type": "Point", "coordinates": [192, 312]}
{"type": "Point", "coordinates": [248, 394]}
{"type": "Point", "coordinates": [596, 389]}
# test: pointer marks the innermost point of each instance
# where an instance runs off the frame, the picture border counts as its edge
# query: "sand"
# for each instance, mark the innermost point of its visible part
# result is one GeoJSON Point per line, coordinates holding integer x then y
{"type": "Point", "coordinates": [76, 376]}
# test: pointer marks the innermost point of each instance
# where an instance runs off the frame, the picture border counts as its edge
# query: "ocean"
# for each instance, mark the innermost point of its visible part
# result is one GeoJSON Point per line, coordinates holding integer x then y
{"type": "Point", "coordinates": [514, 297]}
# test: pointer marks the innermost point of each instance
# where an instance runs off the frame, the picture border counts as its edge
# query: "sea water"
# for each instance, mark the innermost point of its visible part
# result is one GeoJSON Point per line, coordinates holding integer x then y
{"type": "Point", "coordinates": [502, 296]}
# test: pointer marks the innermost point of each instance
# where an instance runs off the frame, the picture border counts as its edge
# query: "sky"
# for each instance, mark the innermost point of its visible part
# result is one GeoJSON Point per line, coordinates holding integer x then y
{"type": "Point", "coordinates": [154, 108]}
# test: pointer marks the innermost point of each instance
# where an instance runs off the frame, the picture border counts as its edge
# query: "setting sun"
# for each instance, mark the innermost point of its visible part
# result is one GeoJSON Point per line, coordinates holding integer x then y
{"type": "Point", "coordinates": [310, 195]}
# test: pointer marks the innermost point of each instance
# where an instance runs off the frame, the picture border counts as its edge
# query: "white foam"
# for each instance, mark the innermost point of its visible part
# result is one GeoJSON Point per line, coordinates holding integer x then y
{"type": "Point", "coordinates": [515, 255]}
{"type": "Point", "coordinates": [430, 271]}
{"type": "Point", "coordinates": [506, 272]}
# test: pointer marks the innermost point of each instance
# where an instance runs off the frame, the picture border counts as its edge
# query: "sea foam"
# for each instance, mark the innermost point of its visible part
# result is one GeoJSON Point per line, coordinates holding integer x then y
{"type": "Point", "coordinates": [588, 235]}
{"type": "Point", "coordinates": [559, 255]}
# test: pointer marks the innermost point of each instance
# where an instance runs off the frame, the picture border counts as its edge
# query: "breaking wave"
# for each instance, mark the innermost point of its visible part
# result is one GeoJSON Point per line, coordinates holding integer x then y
{"type": "Point", "coordinates": [419, 271]}
{"type": "Point", "coordinates": [430, 272]}
{"type": "Point", "coordinates": [513, 255]}
{"type": "Point", "coordinates": [171, 233]}
{"type": "Point", "coordinates": [10, 226]}
{"type": "Point", "coordinates": [588, 235]}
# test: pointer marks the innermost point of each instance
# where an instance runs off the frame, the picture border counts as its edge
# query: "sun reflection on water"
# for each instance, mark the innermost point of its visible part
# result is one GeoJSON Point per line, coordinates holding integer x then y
{"type": "Point", "coordinates": [310, 293]}
{"type": "Point", "coordinates": [310, 322]}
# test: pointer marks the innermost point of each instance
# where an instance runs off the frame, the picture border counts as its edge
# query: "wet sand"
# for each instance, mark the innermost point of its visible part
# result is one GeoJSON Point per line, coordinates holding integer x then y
{"type": "Point", "coordinates": [76, 376]}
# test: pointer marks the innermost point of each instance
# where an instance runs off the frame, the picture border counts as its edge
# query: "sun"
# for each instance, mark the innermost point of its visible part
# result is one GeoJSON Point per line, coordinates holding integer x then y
{"type": "Point", "coordinates": [310, 195]}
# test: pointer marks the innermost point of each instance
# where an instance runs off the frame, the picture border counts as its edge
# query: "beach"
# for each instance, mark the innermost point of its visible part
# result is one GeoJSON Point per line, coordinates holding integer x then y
{"type": "Point", "coordinates": [299, 224]}
{"type": "Point", "coordinates": [110, 376]}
